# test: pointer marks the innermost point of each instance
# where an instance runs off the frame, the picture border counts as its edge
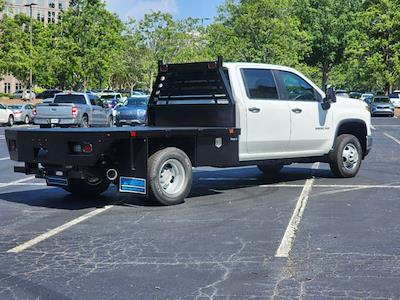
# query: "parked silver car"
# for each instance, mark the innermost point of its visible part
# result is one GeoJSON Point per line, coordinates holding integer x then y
{"type": "Point", "coordinates": [22, 112]}
{"type": "Point", "coordinates": [381, 105]}
{"type": "Point", "coordinates": [23, 95]}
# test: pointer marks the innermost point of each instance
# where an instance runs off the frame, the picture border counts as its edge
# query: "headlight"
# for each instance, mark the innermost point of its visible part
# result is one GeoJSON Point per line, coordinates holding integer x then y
{"type": "Point", "coordinates": [141, 113]}
{"type": "Point", "coordinates": [117, 112]}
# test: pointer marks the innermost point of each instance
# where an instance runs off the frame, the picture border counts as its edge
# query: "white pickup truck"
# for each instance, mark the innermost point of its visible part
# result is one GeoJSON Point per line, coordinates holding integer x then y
{"type": "Point", "coordinates": [203, 114]}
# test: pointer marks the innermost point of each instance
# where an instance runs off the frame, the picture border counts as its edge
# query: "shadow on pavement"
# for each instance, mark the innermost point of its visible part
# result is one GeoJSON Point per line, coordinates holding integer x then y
{"type": "Point", "coordinates": [220, 180]}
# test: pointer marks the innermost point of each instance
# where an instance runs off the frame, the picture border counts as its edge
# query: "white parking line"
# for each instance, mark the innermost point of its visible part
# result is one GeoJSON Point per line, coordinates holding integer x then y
{"type": "Point", "coordinates": [4, 158]}
{"type": "Point", "coordinates": [392, 138]}
{"type": "Point", "coordinates": [57, 230]}
{"type": "Point", "coordinates": [373, 127]}
{"type": "Point", "coordinates": [3, 185]}
{"type": "Point", "coordinates": [25, 184]}
{"type": "Point", "coordinates": [288, 239]}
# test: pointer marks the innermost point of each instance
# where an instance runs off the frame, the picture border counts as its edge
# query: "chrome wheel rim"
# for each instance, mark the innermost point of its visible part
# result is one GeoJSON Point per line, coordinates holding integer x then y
{"type": "Point", "coordinates": [350, 157]}
{"type": "Point", "coordinates": [26, 120]}
{"type": "Point", "coordinates": [172, 177]}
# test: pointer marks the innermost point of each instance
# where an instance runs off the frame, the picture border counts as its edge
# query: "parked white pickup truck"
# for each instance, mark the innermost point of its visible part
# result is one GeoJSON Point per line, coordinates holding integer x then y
{"type": "Point", "coordinates": [203, 114]}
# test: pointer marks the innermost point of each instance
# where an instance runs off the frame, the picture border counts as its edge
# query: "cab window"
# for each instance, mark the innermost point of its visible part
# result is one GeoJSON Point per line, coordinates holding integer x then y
{"type": "Point", "coordinates": [260, 84]}
{"type": "Point", "coordinates": [297, 88]}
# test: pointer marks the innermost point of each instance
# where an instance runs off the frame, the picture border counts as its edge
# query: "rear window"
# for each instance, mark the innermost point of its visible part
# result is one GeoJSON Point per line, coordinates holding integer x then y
{"type": "Point", "coordinates": [260, 84]}
{"type": "Point", "coordinates": [75, 99]}
{"type": "Point", "coordinates": [381, 100]}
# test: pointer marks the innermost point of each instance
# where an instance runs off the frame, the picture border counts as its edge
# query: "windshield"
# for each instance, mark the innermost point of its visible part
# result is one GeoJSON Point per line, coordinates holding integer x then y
{"type": "Point", "coordinates": [136, 101]}
{"type": "Point", "coordinates": [75, 99]}
{"type": "Point", "coordinates": [108, 97]}
{"type": "Point", "coordinates": [15, 106]}
{"type": "Point", "coordinates": [381, 100]}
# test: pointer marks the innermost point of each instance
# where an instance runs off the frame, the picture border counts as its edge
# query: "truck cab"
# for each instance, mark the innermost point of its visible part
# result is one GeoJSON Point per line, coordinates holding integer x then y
{"type": "Point", "coordinates": [282, 114]}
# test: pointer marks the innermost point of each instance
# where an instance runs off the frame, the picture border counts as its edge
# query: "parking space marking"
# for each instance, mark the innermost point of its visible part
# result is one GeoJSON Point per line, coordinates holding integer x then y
{"type": "Point", "coordinates": [24, 184]}
{"type": "Point", "coordinates": [3, 185]}
{"type": "Point", "coordinates": [4, 158]}
{"type": "Point", "coordinates": [373, 127]}
{"type": "Point", "coordinates": [288, 238]}
{"type": "Point", "coordinates": [392, 138]}
{"type": "Point", "coordinates": [57, 230]}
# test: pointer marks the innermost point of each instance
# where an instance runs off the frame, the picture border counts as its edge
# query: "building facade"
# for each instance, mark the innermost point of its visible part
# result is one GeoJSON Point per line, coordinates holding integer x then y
{"type": "Point", "coordinates": [46, 11]}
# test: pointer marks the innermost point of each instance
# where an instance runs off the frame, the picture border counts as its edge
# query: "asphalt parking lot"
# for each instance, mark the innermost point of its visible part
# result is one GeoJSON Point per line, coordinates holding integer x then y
{"type": "Point", "coordinates": [240, 235]}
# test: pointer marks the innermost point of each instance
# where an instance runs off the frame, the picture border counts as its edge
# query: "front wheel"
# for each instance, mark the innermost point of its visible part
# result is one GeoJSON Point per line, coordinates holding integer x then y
{"type": "Point", "coordinates": [87, 187]}
{"type": "Point", "coordinates": [27, 120]}
{"type": "Point", "coordinates": [10, 121]}
{"type": "Point", "coordinates": [346, 158]}
{"type": "Point", "coordinates": [170, 176]}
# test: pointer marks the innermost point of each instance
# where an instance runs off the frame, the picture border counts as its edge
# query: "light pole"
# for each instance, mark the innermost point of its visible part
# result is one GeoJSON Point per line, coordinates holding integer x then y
{"type": "Point", "coordinates": [31, 39]}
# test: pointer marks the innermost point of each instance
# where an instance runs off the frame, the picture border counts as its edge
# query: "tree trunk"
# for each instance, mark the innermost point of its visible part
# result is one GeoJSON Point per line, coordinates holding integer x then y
{"type": "Point", "coordinates": [325, 70]}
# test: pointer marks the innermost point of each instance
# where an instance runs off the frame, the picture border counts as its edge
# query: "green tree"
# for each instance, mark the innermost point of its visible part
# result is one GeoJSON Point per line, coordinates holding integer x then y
{"type": "Point", "coordinates": [87, 41]}
{"type": "Point", "coordinates": [373, 54]}
{"type": "Point", "coordinates": [15, 47]}
{"type": "Point", "coordinates": [258, 31]}
{"type": "Point", "coordinates": [327, 22]}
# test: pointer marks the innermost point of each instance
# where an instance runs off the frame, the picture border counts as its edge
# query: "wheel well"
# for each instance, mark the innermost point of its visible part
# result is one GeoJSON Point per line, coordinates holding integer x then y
{"type": "Point", "coordinates": [356, 128]}
{"type": "Point", "coordinates": [187, 145]}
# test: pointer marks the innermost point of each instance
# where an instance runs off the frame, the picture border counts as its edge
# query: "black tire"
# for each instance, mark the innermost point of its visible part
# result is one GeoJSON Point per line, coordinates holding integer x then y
{"type": "Point", "coordinates": [84, 187]}
{"type": "Point", "coordinates": [110, 122]}
{"type": "Point", "coordinates": [84, 122]}
{"type": "Point", "coordinates": [27, 120]}
{"type": "Point", "coordinates": [177, 168]}
{"type": "Point", "coordinates": [10, 121]}
{"type": "Point", "coordinates": [270, 169]}
{"type": "Point", "coordinates": [346, 157]}
{"type": "Point", "coordinates": [45, 126]}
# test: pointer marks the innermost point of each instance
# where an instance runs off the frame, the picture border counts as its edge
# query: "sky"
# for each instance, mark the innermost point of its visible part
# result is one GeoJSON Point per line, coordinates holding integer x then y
{"type": "Point", "coordinates": [180, 9]}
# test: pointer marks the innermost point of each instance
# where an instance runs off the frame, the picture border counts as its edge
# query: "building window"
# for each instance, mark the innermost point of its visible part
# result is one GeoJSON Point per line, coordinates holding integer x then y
{"type": "Point", "coordinates": [53, 17]}
{"type": "Point", "coordinates": [49, 17]}
{"type": "Point", "coordinates": [18, 86]}
{"type": "Point", "coordinates": [60, 6]}
{"type": "Point", "coordinates": [7, 88]}
{"type": "Point", "coordinates": [52, 5]}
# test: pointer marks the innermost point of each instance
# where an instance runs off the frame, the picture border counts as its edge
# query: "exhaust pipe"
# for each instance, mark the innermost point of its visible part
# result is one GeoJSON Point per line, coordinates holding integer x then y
{"type": "Point", "coordinates": [112, 174]}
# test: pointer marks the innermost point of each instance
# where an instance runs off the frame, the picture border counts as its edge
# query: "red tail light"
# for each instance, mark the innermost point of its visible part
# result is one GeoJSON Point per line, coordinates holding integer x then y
{"type": "Point", "coordinates": [34, 112]}
{"type": "Point", "coordinates": [74, 112]}
{"type": "Point", "coordinates": [87, 148]}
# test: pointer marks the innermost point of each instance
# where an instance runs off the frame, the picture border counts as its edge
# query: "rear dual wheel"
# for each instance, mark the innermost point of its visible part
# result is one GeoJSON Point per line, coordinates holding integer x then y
{"type": "Point", "coordinates": [169, 176]}
{"type": "Point", "coordinates": [93, 186]}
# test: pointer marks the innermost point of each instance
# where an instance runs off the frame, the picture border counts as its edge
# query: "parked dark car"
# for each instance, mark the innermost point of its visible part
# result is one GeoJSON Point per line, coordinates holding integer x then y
{"type": "Point", "coordinates": [47, 94]}
{"type": "Point", "coordinates": [134, 112]}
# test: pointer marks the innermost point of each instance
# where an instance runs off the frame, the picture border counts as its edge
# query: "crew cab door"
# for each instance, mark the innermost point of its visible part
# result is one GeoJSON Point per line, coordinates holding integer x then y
{"type": "Point", "coordinates": [268, 117]}
{"type": "Point", "coordinates": [311, 125]}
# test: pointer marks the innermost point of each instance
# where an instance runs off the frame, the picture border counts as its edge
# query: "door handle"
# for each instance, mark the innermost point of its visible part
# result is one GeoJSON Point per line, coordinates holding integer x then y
{"type": "Point", "coordinates": [297, 110]}
{"type": "Point", "coordinates": [254, 110]}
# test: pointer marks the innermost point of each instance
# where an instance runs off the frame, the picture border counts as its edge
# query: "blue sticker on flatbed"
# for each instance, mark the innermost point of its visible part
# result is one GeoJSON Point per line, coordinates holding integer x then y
{"type": "Point", "coordinates": [132, 185]}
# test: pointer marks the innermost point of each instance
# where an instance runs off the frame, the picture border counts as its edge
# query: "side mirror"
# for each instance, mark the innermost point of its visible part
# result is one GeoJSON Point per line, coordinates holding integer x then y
{"type": "Point", "coordinates": [329, 98]}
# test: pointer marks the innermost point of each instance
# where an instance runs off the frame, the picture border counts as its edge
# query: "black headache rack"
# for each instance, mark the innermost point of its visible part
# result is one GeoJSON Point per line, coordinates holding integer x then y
{"type": "Point", "coordinates": [192, 94]}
